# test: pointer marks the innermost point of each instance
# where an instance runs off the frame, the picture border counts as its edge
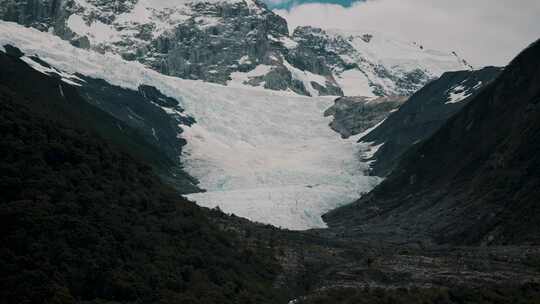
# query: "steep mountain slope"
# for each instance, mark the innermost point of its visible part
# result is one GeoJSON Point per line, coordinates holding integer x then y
{"type": "Point", "coordinates": [475, 181]}
{"type": "Point", "coordinates": [265, 155]}
{"type": "Point", "coordinates": [236, 42]}
{"type": "Point", "coordinates": [82, 221]}
{"type": "Point", "coordinates": [157, 118]}
{"type": "Point", "coordinates": [423, 114]}
{"type": "Point", "coordinates": [132, 118]}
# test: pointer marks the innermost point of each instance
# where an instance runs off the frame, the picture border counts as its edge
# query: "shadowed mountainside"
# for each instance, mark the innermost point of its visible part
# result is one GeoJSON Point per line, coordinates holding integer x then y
{"type": "Point", "coordinates": [423, 114]}
{"type": "Point", "coordinates": [127, 118]}
{"type": "Point", "coordinates": [475, 181]}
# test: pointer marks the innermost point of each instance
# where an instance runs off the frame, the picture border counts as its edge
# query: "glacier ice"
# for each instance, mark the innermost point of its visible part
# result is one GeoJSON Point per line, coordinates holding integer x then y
{"type": "Point", "coordinates": [265, 155]}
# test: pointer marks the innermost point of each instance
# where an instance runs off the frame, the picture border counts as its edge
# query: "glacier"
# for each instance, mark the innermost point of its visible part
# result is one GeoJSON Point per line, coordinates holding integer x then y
{"type": "Point", "coordinates": [269, 156]}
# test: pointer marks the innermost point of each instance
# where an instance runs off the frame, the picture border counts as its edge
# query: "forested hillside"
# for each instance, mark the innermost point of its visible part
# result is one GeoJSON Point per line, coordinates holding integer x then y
{"type": "Point", "coordinates": [83, 221]}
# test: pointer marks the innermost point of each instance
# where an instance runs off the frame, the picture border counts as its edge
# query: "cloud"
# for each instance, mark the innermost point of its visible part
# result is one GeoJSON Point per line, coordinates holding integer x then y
{"type": "Point", "coordinates": [486, 32]}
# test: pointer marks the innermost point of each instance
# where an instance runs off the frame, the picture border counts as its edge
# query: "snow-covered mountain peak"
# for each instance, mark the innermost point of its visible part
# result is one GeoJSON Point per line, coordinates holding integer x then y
{"type": "Point", "coordinates": [393, 51]}
{"type": "Point", "coordinates": [237, 42]}
{"type": "Point", "coordinates": [369, 63]}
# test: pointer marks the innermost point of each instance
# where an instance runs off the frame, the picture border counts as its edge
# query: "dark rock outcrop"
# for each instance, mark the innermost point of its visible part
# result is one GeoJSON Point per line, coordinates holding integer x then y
{"type": "Point", "coordinates": [355, 115]}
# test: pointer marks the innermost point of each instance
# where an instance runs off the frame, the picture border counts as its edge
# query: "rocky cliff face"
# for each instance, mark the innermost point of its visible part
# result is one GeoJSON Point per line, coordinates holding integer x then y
{"type": "Point", "coordinates": [475, 181]}
{"type": "Point", "coordinates": [356, 115]}
{"type": "Point", "coordinates": [236, 42]}
{"type": "Point", "coordinates": [35, 13]}
{"type": "Point", "coordinates": [216, 41]}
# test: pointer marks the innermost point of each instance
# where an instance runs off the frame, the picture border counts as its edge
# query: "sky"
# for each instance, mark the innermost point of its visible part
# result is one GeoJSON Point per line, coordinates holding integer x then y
{"type": "Point", "coordinates": [485, 32]}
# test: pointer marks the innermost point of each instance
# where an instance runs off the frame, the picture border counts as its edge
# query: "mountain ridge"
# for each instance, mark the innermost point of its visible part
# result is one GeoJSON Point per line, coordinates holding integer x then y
{"type": "Point", "coordinates": [234, 43]}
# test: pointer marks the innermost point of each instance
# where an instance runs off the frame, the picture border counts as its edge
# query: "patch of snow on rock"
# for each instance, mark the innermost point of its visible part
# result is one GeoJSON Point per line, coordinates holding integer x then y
{"type": "Point", "coordinates": [306, 77]}
{"type": "Point", "coordinates": [97, 32]}
{"type": "Point", "coordinates": [240, 79]}
{"type": "Point", "coordinates": [457, 94]}
{"type": "Point", "coordinates": [354, 82]}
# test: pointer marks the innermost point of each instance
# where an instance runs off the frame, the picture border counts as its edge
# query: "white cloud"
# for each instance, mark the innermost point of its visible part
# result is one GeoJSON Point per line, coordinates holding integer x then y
{"type": "Point", "coordinates": [486, 32]}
